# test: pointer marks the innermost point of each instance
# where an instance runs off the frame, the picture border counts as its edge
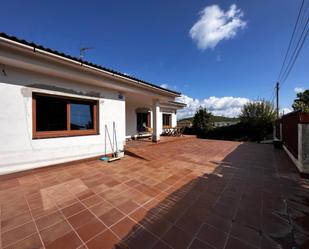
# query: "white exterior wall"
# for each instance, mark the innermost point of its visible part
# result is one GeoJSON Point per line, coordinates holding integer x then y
{"type": "Point", "coordinates": [19, 151]}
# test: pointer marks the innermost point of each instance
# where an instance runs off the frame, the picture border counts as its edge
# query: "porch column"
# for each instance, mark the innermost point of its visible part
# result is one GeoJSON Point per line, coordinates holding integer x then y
{"type": "Point", "coordinates": [156, 124]}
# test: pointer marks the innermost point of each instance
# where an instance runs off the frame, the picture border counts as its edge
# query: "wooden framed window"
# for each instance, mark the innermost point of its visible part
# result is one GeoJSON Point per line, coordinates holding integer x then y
{"type": "Point", "coordinates": [167, 120]}
{"type": "Point", "coordinates": [58, 116]}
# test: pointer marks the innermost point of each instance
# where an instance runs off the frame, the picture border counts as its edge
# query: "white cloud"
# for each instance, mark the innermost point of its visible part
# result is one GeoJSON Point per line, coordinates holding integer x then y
{"type": "Point", "coordinates": [299, 89]}
{"type": "Point", "coordinates": [164, 85]}
{"type": "Point", "coordinates": [223, 106]}
{"type": "Point", "coordinates": [215, 25]}
{"type": "Point", "coordinates": [285, 110]}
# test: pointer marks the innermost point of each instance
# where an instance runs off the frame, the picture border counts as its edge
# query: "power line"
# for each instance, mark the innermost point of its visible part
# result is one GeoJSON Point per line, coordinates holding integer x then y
{"type": "Point", "coordinates": [272, 97]}
{"type": "Point", "coordinates": [296, 52]}
{"type": "Point", "coordinates": [296, 43]}
{"type": "Point", "coordinates": [292, 37]}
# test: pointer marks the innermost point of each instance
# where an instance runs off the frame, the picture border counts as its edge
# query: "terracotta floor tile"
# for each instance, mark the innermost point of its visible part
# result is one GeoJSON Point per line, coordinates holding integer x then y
{"type": "Point", "coordinates": [73, 209]}
{"type": "Point", "coordinates": [15, 221]}
{"type": "Point", "coordinates": [85, 194]}
{"type": "Point", "coordinates": [68, 241]}
{"type": "Point", "coordinates": [194, 175]}
{"type": "Point", "coordinates": [93, 200]}
{"type": "Point", "coordinates": [219, 222]}
{"type": "Point", "coordinates": [124, 227]}
{"type": "Point", "coordinates": [54, 232]}
{"type": "Point", "coordinates": [128, 206]}
{"type": "Point", "coordinates": [117, 199]}
{"type": "Point", "coordinates": [197, 244]}
{"type": "Point", "coordinates": [101, 209]}
{"type": "Point", "coordinates": [245, 217]}
{"type": "Point", "coordinates": [156, 224]}
{"type": "Point", "coordinates": [189, 223]}
{"type": "Point", "coordinates": [161, 186]}
{"type": "Point", "coordinates": [80, 219]}
{"type": "Point", "coordinates": [171, 213]}
{"type": "Point", "coordinates": [246, 234]}
{"type": "Point", "coordinates": [13, 210]}
{"type": "Point", "coordinates": [109, 194]}
{"type": "Point", "coordinates": [140, 239]}
{"type": "Point", "coordinates": [42, 211]}
{"type": "Point", "coordinates": [139, 214]}
{"type": "Point", "coordinates": [269, 243]}
{"type": "Point", "coordinates": [18, 233]}
{"type": "Point", "coordinates": [31, 242]}
{"type": "Point", "coordinates": [66, 202]}
{"type": "Point", "coordinates": [45, 221]}
{"type": "Point", "coordinates": [99, 188]}
{"type": "Point", "coordinates": [90, 229]}
{"type": "Point", "coordinates": [141, 198]}
{"type": "Point", "coordinates": [111, 183]}
{"type": "Point", "coordinates": [151, 204]}
{"type": "Point", "coordinates": [212, 236]}
{"type": "Point", "coordinates": [235, 243]}
{"type": "Point", "coordinates": [161, 245]}
{"type": "Point", "coordinates": [111, 217]}
{"type": "Point", "coordinates": [177, 238]}
{"type": "Point", "coordinates": [105, 240]}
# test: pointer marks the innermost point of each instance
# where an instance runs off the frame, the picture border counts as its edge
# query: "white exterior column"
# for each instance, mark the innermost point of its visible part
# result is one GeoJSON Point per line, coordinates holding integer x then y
{"type": "Point", "coordinates": [156, 121]}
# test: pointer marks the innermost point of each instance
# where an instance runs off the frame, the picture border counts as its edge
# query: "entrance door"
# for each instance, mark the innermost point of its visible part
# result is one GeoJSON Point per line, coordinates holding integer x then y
{"type": "Point", "coordinates": [143, 121]}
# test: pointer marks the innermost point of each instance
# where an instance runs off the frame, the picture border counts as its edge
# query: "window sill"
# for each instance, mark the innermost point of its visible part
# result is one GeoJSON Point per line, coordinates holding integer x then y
{"type": "Point", "coordinates": [57, 134]}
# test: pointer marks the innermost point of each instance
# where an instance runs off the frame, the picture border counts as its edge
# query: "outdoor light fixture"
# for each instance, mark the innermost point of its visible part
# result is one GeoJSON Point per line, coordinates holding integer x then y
{"type": "Point", "coordinates": [3, 72]}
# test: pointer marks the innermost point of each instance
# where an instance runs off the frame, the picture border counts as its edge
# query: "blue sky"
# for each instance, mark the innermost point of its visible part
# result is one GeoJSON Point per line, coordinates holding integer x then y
{"type": "Point", "coordinates": [151, 40]}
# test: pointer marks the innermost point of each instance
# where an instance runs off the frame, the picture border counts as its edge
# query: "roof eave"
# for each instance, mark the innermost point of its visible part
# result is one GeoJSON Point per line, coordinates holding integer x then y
{"type": "Point", "coordinates": [53, 53]}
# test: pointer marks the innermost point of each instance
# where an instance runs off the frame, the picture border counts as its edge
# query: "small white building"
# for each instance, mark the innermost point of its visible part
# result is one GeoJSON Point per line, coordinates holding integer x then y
{"type": "Point", "coordinates": [54, 108]}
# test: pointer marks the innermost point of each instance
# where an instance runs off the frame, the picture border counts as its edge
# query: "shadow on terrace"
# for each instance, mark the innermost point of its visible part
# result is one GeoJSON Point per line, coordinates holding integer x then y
{"type": "Point", "coordinates": [254, 198]}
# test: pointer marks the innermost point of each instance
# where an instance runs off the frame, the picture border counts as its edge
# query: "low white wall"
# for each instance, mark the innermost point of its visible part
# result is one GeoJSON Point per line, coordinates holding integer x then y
{"type": "Point", "coordinates": [18, 151]}
{"type": "Point", "coordinates": [303, 147]}
{"type": "Point", "coordinates": [302, 161]}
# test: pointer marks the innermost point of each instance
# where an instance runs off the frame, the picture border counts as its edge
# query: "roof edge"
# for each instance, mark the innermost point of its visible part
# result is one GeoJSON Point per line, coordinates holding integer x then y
{"type": "Point", "coordinates": [84, 62]}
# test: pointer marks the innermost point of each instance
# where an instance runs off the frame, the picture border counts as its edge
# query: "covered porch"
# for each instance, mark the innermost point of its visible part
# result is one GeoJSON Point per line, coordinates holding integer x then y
{"type": "Point", "coordinates": [147, 116]}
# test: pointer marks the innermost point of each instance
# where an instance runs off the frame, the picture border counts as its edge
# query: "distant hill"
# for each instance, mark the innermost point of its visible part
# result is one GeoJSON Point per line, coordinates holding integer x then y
{"type": "Point", "coordinates": [215, 119]}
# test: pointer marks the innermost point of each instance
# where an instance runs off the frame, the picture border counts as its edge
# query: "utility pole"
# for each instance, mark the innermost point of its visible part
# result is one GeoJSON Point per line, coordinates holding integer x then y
{"type": "Point", "coordinates": [277, 99]}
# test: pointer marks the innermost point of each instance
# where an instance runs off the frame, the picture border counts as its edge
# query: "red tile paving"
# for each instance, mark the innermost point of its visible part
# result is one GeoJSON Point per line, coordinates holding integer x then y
{"type": "Point", "coordinates": [180, 193]}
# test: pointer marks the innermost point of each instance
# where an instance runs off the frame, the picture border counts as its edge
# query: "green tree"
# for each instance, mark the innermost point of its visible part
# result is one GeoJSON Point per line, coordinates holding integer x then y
{"type": "Point", "coordinates": [258, 117]}
{"type": "Point", "coordinates": [202, 121]}
{"type": "Point", "coordinates": [302, 101]}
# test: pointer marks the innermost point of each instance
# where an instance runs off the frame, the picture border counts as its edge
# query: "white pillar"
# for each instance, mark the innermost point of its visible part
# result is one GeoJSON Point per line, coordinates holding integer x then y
{"type": "Point", "coordinates": [156, 120]}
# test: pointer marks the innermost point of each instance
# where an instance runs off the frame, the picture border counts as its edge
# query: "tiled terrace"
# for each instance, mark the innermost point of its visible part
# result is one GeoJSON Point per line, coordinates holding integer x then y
{"type": "Point", "coordinates": [188, 193]}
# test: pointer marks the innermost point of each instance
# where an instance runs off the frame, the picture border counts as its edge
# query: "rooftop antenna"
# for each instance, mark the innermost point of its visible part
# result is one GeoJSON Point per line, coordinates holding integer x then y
{"type": "Point", "coordinates": [82, 52]}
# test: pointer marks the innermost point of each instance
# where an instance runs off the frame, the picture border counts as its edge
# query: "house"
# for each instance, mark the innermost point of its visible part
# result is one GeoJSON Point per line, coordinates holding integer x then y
{"type": "Point", "coordinates": [224, 123]}
{"type": "Point", "coordinates": [185, 123]}
{"type": "Point", "coordinates": [54, 107]}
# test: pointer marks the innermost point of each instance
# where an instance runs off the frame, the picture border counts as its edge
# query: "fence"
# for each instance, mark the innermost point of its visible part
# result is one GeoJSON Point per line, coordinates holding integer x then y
{"type": "Point", "coordinates": [290, 131]}
{"type": "Point", "coordinates": [293, 130]}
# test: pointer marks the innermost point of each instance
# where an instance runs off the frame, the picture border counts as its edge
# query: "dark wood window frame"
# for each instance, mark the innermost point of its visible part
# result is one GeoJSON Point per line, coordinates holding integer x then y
{"type": "Point", "coordinates": [68, 132]}
{"type": "Point", "coordinates": [165, 117]}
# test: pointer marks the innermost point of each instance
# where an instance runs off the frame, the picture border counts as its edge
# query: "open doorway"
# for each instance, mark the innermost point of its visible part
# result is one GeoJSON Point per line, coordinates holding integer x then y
{"type": "Point", "coordinates": [142, 121]}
